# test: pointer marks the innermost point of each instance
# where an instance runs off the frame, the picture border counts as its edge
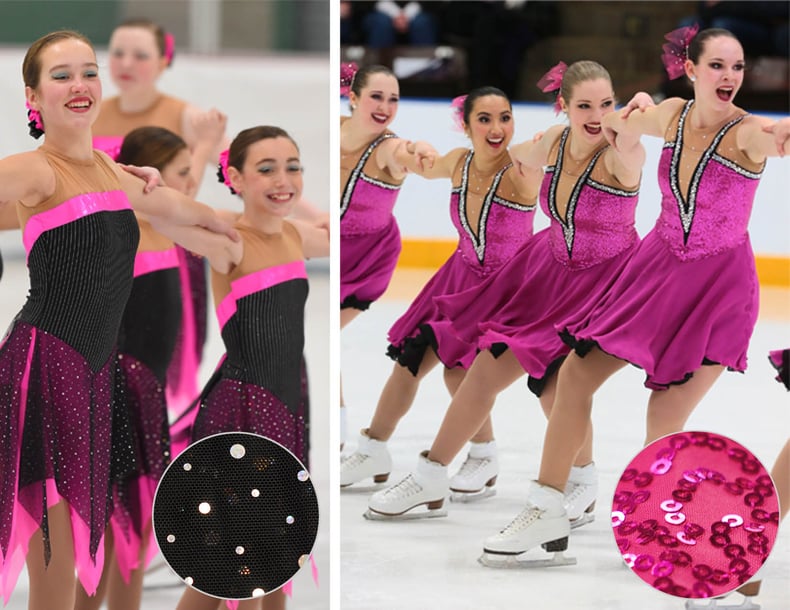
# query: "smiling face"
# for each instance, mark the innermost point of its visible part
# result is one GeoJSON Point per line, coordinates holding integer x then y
{"type": "Point", "coordinates": [271, 179]}
{"type": "Point", "coordinates": [589, 101]}
{"type": "Point", "coordinates": [377, 102]}
{"type": "Point", "coordinates": [69, 90]}
{"type": "Point", "coordinates": [177, 173]}
{"type": "Point", "coordinates": [135, 60]}
{"type": "Point", "coordinates": [718, 72]}
{"type": "Point", "coordinates": [490, 124]}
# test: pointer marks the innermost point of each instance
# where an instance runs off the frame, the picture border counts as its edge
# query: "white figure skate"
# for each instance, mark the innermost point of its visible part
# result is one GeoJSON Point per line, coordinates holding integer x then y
{"type": "Point", "coordinates": [476, 478]}
{"type": "Point", "coordinates": [543, 522]}
{"type": "Point", "coordinates": [749, 590]}
{"type": "Point", "coordinates": [371, 459]}
{"type": "Point", "coordinates": [580, 494]}
{"type": "Point", "coordinates": [427, 486]}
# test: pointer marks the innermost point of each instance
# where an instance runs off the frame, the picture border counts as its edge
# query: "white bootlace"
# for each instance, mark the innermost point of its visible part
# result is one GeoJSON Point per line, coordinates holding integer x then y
{"type": "Point", "coordinates": [577, 490]}
{"type": "Point", "coordinates": [472, 466]}
{"type": "Point", "coordinates": [404, 488]}
{"type": "Point", "coordinates": [526, 517]}
{"type": "Point", "coordinates": [354, 460]}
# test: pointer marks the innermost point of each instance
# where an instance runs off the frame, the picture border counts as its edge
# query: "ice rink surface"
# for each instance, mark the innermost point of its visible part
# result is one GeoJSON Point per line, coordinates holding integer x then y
{"type": "Point", "coordinates": [432, 563]}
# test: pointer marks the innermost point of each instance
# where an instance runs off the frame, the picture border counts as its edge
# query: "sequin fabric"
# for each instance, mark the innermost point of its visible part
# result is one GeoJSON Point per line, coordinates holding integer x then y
{"type": "Point", "coordinates": [595, 231]}
{"type": "Point", "coordinates": [713, 215]}
{"type": "Point", "coordinates": [369, 236]}
{"type": "Point", "coordinates": [504, 226]}
{"type": "Point", "coordinates": [695, 515]}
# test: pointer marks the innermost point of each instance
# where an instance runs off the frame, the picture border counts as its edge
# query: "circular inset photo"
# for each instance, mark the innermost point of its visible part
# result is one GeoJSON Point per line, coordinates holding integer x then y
{"type": "Point", "coordinates": [695, 514]}
{"type": "Point", "coordinates": [236, 515]}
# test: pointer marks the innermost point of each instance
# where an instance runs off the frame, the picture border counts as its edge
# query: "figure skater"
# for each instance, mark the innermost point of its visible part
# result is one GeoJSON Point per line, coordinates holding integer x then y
{"type": "Point", "coordinates": [64, 441]}
{"type": "Point", "coordinates": [589, 192]}
{"type": "Point", "coordinates": [685, 306]}
{"type": "Point", "coordinates": [492, 207]}
{"type": "Point", "coordinates": [373, 164]}
{"type": "Point", "coordinates": [260, 307]}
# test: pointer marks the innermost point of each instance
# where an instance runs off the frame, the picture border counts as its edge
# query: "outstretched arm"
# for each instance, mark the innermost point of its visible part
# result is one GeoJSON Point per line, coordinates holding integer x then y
{"type": "Point", "coordinates": [204, 133]}
{"type": "Point", "coordinates": [624, 127]}
{"type": "Point", "coordinates": [534, 154]}
{"type": "Point", "coordinates": [401, 156]}
{"type": "Point", "coordinates": [315, 240]}
{"type": "Point", "coordinates": [761, 137]}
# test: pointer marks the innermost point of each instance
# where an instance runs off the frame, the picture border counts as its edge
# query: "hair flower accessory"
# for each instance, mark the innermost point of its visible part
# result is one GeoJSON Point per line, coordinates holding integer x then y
{"type": "Point", "coordinates": [675, 52]}
{"type": "Point", "coordinates": [34, 122]}
{"type": "Point", "coordinates": [222, 170]}
{"type": "Point", "coordinates": [347, 72]}
{"type": "Point", "coordinates": [457, 106]}
{"type": "Point", "coordinates": [551, 82]}
{"type": "Point", "coordinates": [170, 48]}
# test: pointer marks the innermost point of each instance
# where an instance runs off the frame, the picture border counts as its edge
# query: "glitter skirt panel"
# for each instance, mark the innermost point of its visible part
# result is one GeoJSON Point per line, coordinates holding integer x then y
{"type": "Point", "coordinates": [669, 317]}
{"type": "Point", "coordinates": [60, 443]}
{"type": "Point", "coordinates": [367, 263]}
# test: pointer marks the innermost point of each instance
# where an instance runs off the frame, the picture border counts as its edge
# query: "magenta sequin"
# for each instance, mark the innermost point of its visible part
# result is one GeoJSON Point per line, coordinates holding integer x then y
{"type": "Point", "coordinates": [689, 296]}
{"type": "Point", "coordinates": [504, 227]}
{"type": "Point", "coordinates": [720, 554]}
{"type": "Point", "coordinates": [369, 236]}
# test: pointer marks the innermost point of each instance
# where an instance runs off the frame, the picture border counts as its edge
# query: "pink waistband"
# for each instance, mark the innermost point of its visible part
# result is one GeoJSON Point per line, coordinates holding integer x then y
{"type": "Point", "coordinates": [256, 282]}
{"type": "Point", "coordinates": [71, 210]}
{"type": "Point", "coordinates": [155, 260]}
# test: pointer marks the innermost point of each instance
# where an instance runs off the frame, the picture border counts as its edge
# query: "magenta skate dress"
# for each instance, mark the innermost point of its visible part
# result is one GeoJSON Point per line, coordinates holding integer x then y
{"type": "Point", "coordinates": [560, 273]}
{"type": "Point", "coordinates": [504, 226]}
{"type": "Point", "coordinates": [109, 131]}
{"type": "Point", "coordinates": [689, 295]}
{"type": "Point", "coordinates": [369, 235]}
{"type": "Point", "coordinates": [61, 438]}
{"type": "Point", "coordinates": [258, 386]}
{"type": "Point", "coordinates": [780, 360]}
{"type": "Point", "coordinates": [146, 342]}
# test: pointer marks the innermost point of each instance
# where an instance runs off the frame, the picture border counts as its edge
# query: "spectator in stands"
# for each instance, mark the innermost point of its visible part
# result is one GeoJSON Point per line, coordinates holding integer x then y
{"type": "Point", "coordinates": [390, 22]}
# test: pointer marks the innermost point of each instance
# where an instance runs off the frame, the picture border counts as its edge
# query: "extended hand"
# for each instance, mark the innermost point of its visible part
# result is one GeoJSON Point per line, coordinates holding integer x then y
{"type": "Point", "coordinates": [151, 176]}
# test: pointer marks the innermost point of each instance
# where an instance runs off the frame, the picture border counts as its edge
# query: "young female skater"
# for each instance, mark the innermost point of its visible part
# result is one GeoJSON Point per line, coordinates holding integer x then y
{"type": "Point", "coordinates": [64, 444]}
{"type": "Point", "coordinates": [589, 192]}
{"type": "Point", "coordinates": [492, 207]}
{"type": "Point", "coordinates": [685, 306]}
{"type": "Point", "coordinates": [373, 164]}
{"type": "Point", "coordinates": [260, 307]}
{"type": "Point", "coordinates": [146, 343]}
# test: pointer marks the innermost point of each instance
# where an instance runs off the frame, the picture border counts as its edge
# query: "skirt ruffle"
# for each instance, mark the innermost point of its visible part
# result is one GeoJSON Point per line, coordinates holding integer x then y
{"type": "Point", "coordinates": [61, 442]}
{"type": "Point", "coordinates": [780, 360]}
{"type": "Point", "coordinates": [524, 302]}
{"type": "Point", "coordinates": [423, 325]}
{"type": "Point", "coordinates": [367, 263]}
{"type": "Point", "coordinates": [670, 317]}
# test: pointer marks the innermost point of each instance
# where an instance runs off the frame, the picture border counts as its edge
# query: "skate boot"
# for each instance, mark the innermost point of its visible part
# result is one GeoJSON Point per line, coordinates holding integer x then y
{"type": "Point", "coordinates": [476, 478]}
{"type": "Point", "coordinates": [427, 486]}
{"type": "Point", "coordinates": [748, 590]}
{"type": "Point", "coordinates": [343, 420]}
{"type": "Point", "coordinates": [543, 522]}
{"type": "Point", "coordinates": [371, 459]}
{"type": "Point", "coordinates": [580, 494]}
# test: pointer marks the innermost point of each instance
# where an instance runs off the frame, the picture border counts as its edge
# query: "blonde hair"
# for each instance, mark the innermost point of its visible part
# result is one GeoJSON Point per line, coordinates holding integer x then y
{"type": "Point", "coordinates": [579, 72]}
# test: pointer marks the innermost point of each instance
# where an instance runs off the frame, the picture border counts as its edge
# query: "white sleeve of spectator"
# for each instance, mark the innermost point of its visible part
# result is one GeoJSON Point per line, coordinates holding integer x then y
{"type": "Point", "coordinates": [388, 7]}
{"type": "Point", "coordinates": [411, 10]}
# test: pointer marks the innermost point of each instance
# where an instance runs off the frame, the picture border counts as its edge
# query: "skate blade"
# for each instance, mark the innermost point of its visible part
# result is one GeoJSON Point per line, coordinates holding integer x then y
{"type": "Point", "coordinates": [583, 520]}
{"type": "Point", "coordinates": [409, 515]}
{"type": "Point", "coordinates": [472, 496]}
{"type": "Point", "coordinates": [494, 560]}
{"type": "Point", "coordinates": [712, 604]}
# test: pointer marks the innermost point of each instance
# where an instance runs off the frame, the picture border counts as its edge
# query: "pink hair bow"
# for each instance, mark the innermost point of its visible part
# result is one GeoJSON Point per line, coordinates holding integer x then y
{"type": "Point", "coordinates": [170, 47]}
{"type": "Point", "coordinates": [35, 123]}
{"type": "Point", "coordinates": [675, 52]}
{"type": "Point", "coordinates": [552, 82]}
{"type": "Point", "coordinates": [222, 170]}
{"type": "Point", "coordinates": [457, 106]}
{"type": "Point", "coordinates": [347, 72]}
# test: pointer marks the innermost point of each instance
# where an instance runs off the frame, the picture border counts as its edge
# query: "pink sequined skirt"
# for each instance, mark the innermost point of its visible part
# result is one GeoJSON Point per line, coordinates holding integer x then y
{"type": "Point", "coordinates": [526, 300]}
{"type": "Point", "coordinates": [367, 263]}
{"type": "Point", "coordinates": [780, 360]}
{"type": "Point", "coordinates": [423, 325]}
{"type": "Point", "coordinates": [670, 317]}
{"type": "Point", "coordinates": [60, 442]}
